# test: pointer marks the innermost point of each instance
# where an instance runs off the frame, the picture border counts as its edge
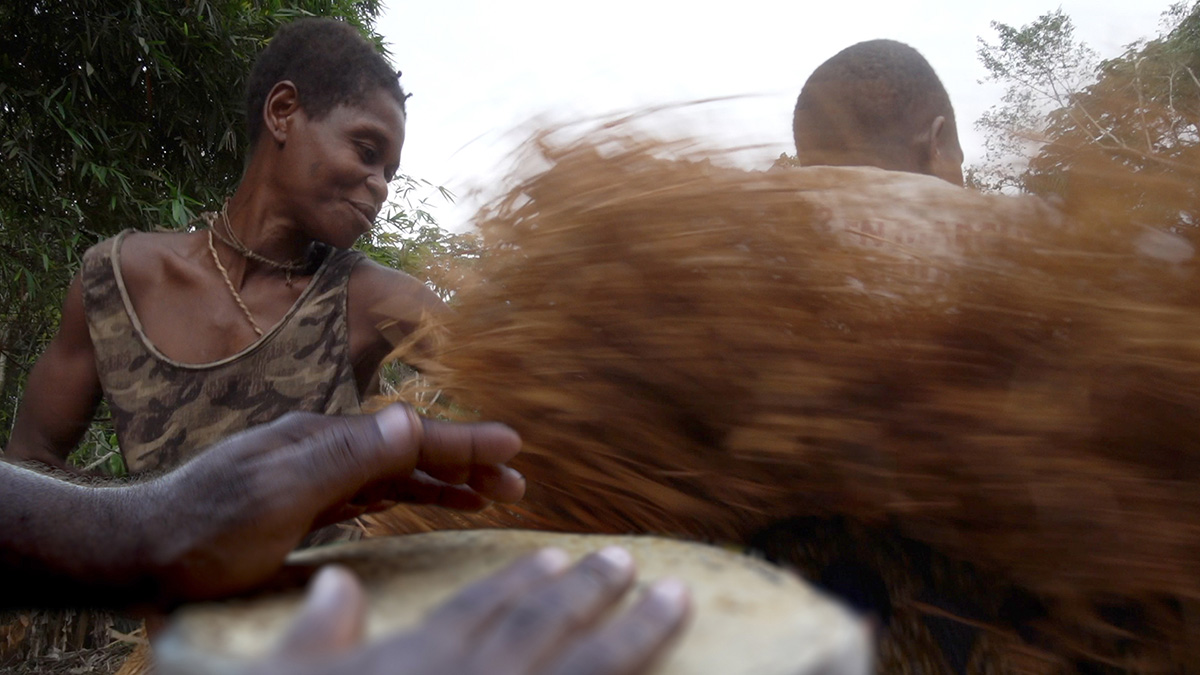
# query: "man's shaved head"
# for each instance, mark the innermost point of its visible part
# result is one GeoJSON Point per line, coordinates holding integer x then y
{"type": "Point", "coordinates": [872, 104]}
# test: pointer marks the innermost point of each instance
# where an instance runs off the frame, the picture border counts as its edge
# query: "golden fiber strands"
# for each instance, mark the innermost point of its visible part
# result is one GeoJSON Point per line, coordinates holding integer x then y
{"type": "Point", "coordinates": [703, 351]}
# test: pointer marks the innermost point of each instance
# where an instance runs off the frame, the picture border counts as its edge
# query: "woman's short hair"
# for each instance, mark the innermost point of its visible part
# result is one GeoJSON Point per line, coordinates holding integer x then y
{"type": "Point", "coordinates": [330, 63]}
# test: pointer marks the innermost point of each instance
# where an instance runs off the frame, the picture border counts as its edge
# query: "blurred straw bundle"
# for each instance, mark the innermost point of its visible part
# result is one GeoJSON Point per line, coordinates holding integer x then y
{"type": "Point", "coordinates": [702, 351]}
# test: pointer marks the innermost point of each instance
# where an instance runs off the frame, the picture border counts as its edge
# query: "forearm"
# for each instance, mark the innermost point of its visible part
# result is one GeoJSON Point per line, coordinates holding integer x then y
{"type": "Point", "coordinates": [48, 426]}
{"type": "Point", "coordinates": [22, 450]}
{"type": "Point", "coordinates": [62, 543]}
{"type": "Point", "coordinates": [50, 422]}
{"type": "Point", "coordinates": [62, 391]}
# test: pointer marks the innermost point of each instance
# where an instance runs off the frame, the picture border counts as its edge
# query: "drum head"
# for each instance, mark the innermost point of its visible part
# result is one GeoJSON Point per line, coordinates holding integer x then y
{"type": "Point", "coordinates": [749, 616]}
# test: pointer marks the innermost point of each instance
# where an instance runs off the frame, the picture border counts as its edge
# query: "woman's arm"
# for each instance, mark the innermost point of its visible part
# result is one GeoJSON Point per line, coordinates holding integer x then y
{"type": "Point", "coordinates": [380, 296]}
{"type": "Point", "coordinates": [62, 392]}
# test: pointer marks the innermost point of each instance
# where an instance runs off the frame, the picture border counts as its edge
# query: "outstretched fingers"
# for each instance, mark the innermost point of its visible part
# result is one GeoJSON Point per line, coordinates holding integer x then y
{"type": "Point", "coordinates": [633, 641]}
{"type": "Point", "coordinates": [395, 455]}
{"type": "Point", "coordinates": [497, 482]}
{"type": "Point", "coordinates": [473, 608]}
{"type": "Point", "coordinates": [535, 616]}
{"type": "Point", "coordinates": [540, 623]}
{"type": "Point", "coordinates": [449, 451]}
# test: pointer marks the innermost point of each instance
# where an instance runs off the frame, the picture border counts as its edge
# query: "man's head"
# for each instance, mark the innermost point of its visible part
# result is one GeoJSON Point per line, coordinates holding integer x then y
{"type": "Point", "coordinates": [878, 103]}
{"type": "Point", "coordinates": [329, 63]}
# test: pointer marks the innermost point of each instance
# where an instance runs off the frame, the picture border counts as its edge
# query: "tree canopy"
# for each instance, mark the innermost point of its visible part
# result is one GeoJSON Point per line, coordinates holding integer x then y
{"type": "Point", "coordinates": [1114, 138]}
{"type": "Point", "coordinates": [1042, 66]}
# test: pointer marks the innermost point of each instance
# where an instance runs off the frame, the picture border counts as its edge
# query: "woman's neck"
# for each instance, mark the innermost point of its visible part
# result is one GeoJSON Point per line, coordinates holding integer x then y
{"type": "Point", "coordinates": [259, 220]}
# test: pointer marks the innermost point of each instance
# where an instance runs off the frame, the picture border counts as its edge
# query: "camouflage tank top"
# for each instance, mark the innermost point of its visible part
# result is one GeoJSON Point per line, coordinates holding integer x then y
{"type": "Point", "coordinates": [165, 411]}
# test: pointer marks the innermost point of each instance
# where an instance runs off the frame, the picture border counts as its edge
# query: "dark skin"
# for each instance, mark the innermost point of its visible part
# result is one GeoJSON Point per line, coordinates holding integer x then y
{"type": "Point", "coordinates": [224, 522]}
{"type": "Point", "coordinates": [936, 151]}
{"type": "Point", "coordinates": [309, 179]}
{"type": "Point", "coordinates": [932, 149]}
{"type": "Point", "coordinates": [535, 618]}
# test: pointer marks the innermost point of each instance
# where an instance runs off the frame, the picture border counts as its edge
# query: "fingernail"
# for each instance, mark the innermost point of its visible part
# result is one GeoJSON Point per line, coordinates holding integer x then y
{"type": "Point", "coordinates": [328, 585]}
{"type": "Point", "coordinates": [670, 591]}
{"type": "Point", "coordinates": [398, 424]}
{"type": "Point", "coordinates": [512, 473]}
{"type": "Point", "coordinates": [616, 556]}
{"type": "Point", "coordinates": [552, 559]}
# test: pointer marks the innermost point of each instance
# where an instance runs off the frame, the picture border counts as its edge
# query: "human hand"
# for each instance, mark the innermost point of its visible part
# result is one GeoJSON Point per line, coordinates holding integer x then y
{"type": "Point", "coordinates": [535, 617]}
{"type": "Point", "coordinates": [225, 521]}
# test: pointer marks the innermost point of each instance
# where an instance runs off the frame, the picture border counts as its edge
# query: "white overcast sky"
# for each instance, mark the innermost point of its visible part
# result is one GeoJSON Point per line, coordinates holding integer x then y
{"type": "Point", "coordinates": [478, 69]}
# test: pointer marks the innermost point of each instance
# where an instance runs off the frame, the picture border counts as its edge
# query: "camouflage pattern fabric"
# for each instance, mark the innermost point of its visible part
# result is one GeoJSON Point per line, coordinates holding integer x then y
{"type": "Point", "coordinates": [165, 411]}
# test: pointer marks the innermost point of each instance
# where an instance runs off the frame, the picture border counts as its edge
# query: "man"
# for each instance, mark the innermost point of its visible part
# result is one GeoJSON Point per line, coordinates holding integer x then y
{"type": "Point", "coordinates": [878, 103]}
{"type": "Point", "coordinates": [224, 522]}
{"type": "Point", "coordinates": [876, 131]}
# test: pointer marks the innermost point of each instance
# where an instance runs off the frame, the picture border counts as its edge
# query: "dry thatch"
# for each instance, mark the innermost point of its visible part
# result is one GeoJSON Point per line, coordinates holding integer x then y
{"type": "Point", "coordinates": [49, 642]}
{"type": "Point", "coordinates": [704, 351]}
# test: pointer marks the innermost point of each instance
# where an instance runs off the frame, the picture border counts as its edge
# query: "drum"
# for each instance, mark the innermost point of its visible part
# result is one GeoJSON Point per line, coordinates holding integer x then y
{"type": "Point", "coordinates": [749, 617]}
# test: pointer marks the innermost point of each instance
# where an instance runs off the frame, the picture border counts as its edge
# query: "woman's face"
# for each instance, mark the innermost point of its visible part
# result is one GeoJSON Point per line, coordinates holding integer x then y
{"type": "Point", "coordinates": [336, 169]}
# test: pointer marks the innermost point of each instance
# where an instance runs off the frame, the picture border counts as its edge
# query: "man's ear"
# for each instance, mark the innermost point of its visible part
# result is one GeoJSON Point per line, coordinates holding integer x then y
{"type": "Point", "coordinates": [930, 142]}
{"type": "Point", "coordinates": [937, 137]}
{"type": "Point", "coordinates": [283, 102]}
{"type": "Point", "coordinates": [946, 152]}
{"type": "Point", "coordinates": [924, 147]}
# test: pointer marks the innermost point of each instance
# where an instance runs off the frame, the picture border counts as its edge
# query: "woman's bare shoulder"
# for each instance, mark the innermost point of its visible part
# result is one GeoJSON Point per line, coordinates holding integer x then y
{"type": "Point", "coordinates": [380, 289]}
{"type": "Point", "coordinates": [150, 256]}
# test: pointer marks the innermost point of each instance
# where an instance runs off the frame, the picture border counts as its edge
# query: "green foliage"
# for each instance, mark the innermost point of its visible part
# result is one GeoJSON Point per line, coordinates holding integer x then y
{"type": "Point", "coordinates": [98, 451]}
{"type": "Point", "coordinates": [1140, 118]}
{"type": "Point", "coordinates": [1042, 66]}
{"type": "Point", "coordinates": [408, 238]}
{"type": "Point", "coordinates": [1119, 138]}
{"type": "Point", "coordinates": [786, 161]}
{"type": "Point", "coordinates": [126, 113]}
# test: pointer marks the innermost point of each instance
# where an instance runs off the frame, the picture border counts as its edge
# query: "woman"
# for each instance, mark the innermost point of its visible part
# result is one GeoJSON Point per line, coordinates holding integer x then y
{"type": "Point", "coordinates": [192, 336]}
